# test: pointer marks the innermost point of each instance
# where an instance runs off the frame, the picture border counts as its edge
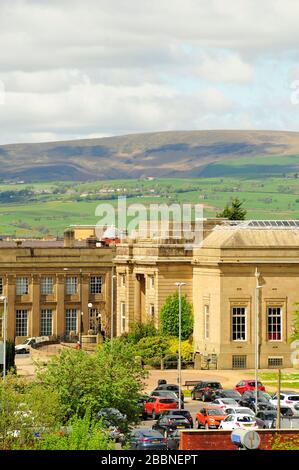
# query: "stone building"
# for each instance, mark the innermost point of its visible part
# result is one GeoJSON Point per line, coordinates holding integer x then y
{"type": "Point", "coordinates": [48, 283]}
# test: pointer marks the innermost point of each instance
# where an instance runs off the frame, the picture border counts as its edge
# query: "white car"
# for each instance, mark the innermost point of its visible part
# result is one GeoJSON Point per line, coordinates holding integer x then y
{"type": "Point", "coordinates": [287, 398]}
{"type": "Point", "coordinates": [239, 410]}
{"type": "Point", "coordinates": [225, 403]}
{"type": "Point", "coordinates": [238, 421]}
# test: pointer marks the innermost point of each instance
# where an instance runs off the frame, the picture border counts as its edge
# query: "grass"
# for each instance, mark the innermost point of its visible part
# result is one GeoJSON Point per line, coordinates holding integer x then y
{"type": "Point", "coordinates": [271, 196]}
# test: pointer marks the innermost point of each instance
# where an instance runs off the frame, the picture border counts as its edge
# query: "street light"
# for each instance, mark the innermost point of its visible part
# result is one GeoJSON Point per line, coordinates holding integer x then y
{"type": "Point", "coordinates": [180, 285]}
{"type": "Point", "coordinates": [257, 302]}
{"type": "Point", "coordinates": [3, 298]}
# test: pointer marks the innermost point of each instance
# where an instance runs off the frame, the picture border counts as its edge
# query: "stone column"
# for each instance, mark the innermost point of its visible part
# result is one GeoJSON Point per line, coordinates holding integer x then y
{"type": "Point", "coordinates": [34, 323]}
{"type": "Point", "coordinates": [84, 278]}
{"type": "Point", "coordinates": [11, 307]}
{"type": "Point", "coordinates": [137, 300]}
{"type": "Point", "coordinates": [59, 320]}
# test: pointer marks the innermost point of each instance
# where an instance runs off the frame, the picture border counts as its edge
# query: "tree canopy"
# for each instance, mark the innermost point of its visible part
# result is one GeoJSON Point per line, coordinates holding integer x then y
{"type": "Point", "coordinates": [169, 317]}
{"type": "Point", "coordinates": [233, 211]}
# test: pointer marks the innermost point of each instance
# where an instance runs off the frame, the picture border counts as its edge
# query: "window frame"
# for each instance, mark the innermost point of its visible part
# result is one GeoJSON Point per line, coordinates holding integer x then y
{"type": "Point", "coordinates": [71, 312]}
{"type": "Point", "coordinates": [24, 316]}
{"type": "Point", "coordinates": [71, 281]}
{"type": "Point", "coordinates": [22, 281]}
{"type": "Point", "coordinates": [44, 285]}
{"type": "Point", "coordinates": [238, 307]}
{"type": "Point", "coordinates": [280, 308]}
{"type": "Point", "coordinates": [96, 287]}
{"type": "Point", "coordinates": [46, 311]}
{"type": "Point", "coordinates": [123, 323]}
{"type": "Point", "coordinates": [206, 322]}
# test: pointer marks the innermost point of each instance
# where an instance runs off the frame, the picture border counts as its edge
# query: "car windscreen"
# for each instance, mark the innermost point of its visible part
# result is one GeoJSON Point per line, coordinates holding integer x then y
{"type": "Point", "coordinates": [245, 419]}
{"type": "Point", "coordinates": [252, 384]}
{"type": "Point", "coordinates": [228, 401]}
{"type": "Point", "coordinates": [151, 433]}
{"type": "Point", "coordinates": [294, 397]}
{"type": "Point", "coordinates": [216, 412]}
{"type": "Point", "coordinates": [212, 385]}
{"type": "Point", "coordinates": [167, 400]}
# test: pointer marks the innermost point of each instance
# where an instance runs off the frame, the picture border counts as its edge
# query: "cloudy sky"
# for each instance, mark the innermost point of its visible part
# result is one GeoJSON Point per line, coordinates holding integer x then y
{"type": "Point", "coordinates": [91, 68]}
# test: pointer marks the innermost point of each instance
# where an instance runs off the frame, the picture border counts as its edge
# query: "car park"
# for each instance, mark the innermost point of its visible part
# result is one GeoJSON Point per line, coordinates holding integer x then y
{"type": "Point", "coordinates": [169, 423]}
{"type": "Point", "coordinates": [154, 406]}
{"type": "Point", "coordinates": [146, 439]}
{"type": "Point", "coordinates": [238, 421]}
{"type": "Point", "coordinates": [225, 403]}
{"type": "Point", "coordinates": [184, 413]}
{"type": "Point", "coordinates": [205, 390]}
{"type": "Point", "coordinates": [209, 417]}
{"type": "Point", "coordinates": [245, 385]}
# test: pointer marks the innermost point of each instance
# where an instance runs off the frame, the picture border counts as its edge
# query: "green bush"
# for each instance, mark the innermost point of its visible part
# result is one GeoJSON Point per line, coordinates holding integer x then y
{"type": "Point", "coordinates": [152, 346]}
{"type": "Point", "coordinates": [140, 330]}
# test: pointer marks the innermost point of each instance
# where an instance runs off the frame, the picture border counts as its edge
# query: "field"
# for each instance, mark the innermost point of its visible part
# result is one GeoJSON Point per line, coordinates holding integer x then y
{"type": "Point", "coordinates": [37, 209]}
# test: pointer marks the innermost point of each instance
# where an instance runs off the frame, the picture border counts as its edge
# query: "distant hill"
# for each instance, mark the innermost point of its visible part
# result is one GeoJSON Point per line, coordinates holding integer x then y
{"type": "Point", "coordinates": [159, 154]}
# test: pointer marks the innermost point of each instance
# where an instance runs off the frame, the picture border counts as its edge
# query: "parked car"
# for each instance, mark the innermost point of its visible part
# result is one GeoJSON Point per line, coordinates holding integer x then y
{"type": "Point", "coordinates": [245, 385]}
{"type": "Point", "coordinates": [140, 403]}
{"type": "Point", "coordinates": [167, 394]}
{"type": "Point", "coordinates": [154, 406]}
{"type": "Point", "coordinates": [171, 388]}
{"type": "Point", "coordinates": [288, 398]}
{"type": "Point", "coordinates": [228, 394]}
{"type": "Point", "coordinates": [166, 424]}
{"type": "Point", "coordinates": [238, 421]}
{"type": "Point", "coordinates": [184, 413]}
{"type": "Point", "coordinates": [240, 410]}
{"type": "Point", "coordinates": [24, 347]}
{"type": "Point", "coordinates": [114, 422]}
{"type": "Point", "coordinates": [249, 401]}
{"type": "Point", "coordinates": [260, 394]}
{"type": "Point", "coordinates": [173, 440]}
{"type": "Point", "coordinates": [205, 390]}
{"type": "Point", "coordinates": [266, 418]}
{"type": "Point", "coordinates": [225, 403]}
{"type": "Point", "coordinates": [209, 417]}
{"type": "Point", "coordinates": [147, 439]}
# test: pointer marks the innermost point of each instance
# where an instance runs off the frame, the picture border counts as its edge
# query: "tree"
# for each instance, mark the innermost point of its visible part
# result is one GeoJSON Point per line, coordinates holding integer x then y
{"type": "Point", "coordinates": [233, 211]}
{"type": "Point", "coordinates": [169, 317]}
{"type": "Point", "coordinates": [141, 330]}
{"type": "Point", "coordinates": [109, 378]}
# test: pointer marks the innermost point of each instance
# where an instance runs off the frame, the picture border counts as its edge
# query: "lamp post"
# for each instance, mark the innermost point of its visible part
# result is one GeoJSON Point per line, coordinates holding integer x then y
{"type": "Point", "coordinates": [4, 300]}
{"type": "Point", "coordinates": [180, 285]}
{"type": "Point", "coordinates": [257, 302]}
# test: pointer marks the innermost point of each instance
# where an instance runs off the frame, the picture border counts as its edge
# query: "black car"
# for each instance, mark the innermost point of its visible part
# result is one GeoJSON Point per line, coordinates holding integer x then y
{"type": "Point", "coordinates": [140, 404]}
{"type": "Point", "coordinates": [113, 421]}
{"type": "Point", "coordinates": [262, 403]}
{"type": "Point", "coordinates": [173, 440]}
{"type": "Point", "coordinates": [263, 396]}
{"type": "Point", "coordinates": [169, 423]}
{"type": "Point", "coordinates": [266, 418]}
{"type": "Point", "coordinates": [181, 412]}
{"type": "Point", "coordinates": [228, 394]}
{"type": "Point", "coordinates": [206, 390]}
{"type": "Point", "coordinates": [147, 439]}
{"type": "Point", "coordinates": [171, 388]}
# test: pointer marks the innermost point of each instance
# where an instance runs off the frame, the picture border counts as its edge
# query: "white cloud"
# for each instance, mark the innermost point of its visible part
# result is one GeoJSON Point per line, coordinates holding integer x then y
{"type": "Point", "coordinates": [103, 67]}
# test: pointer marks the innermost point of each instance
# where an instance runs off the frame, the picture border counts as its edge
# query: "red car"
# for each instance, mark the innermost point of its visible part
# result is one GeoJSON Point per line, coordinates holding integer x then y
{"type": "Point", "coordinates": [210, 417]}
{"type": "Point", "coordinates": [156, 405]}
{"type": "Point", "coordinates": [246, 385]}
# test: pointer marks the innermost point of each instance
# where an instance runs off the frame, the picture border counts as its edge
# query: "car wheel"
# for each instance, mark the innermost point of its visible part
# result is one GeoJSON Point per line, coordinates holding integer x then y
{"type": "Point", "coordinates": [154, 416]}
{"type": "Point", "coordinates": [207, 426]}
{"type": "Point", "coordinates": [197, 425]}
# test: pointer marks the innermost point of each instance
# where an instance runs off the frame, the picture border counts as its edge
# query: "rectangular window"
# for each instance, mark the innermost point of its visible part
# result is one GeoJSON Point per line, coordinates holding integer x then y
{"type": "Point", "coordinates": [71, 285]}
{"type": "Point", "coordinates": [46, 322]}
{"type": "Point", "coordinates": [122, 317]}
{"type": "Point", "coordinates": [152, 311]}
{"type": "Point", "coordinates": [275, 361]}
{"type": "Point", "coordinates": [96, 283]}
{"type": "Point", "coordinates": [70, 320]}
{"type": "Point", "coordinates": [123, 280]}
{"type": "Point", "coordinates": [239, 362]}
{"type": "Point", "coordinates": [207, 322]}
{"type": "Point", "coordinates": [94, 317]}
{"type": "Point", "coordinates": [274, 324]}
{"type": "Point", "coordinates": [22, 285]}
{"type": "Point", "coordinates": [239, 324]}
{"type": "Point", "coordinates": [46, 285]}
{"type": "Point", "coordinates": [1, 285]}
{"type": "Point", "coordinates": [152, 282]}
{"type": "Point", "coordinates": [21, 323]}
